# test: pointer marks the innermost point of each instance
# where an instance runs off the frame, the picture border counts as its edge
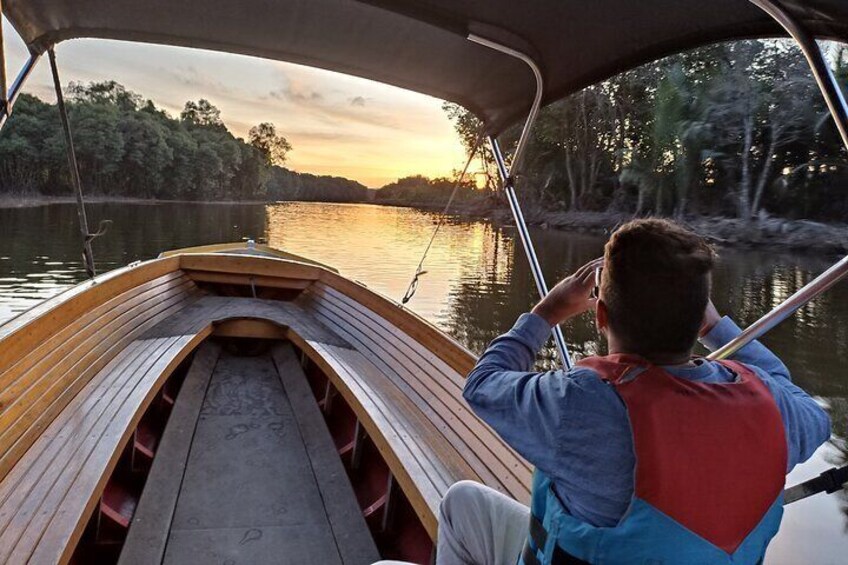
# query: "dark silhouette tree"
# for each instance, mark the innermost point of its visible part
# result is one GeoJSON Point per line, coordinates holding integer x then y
{"type": "Point", "coordinates": [265, 139]}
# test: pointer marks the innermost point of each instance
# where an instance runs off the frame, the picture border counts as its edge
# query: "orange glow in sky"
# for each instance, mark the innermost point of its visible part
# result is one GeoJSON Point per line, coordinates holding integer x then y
{"type": "Point", "coordinates": [338, 125]}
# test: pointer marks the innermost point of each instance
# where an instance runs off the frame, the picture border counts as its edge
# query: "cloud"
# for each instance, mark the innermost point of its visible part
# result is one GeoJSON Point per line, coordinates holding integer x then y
{"type": "Point", "coordinates": [297, 95]}
{"type": "Point", "coordinates": [338, 125]}
{"type": "Point", "coordinates": [195, 80]}
{"type": "Point", "coordinates": [324, 136]}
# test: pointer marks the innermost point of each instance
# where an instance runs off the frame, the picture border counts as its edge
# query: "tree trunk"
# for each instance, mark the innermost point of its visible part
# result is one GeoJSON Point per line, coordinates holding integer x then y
{"type": "Point", "coordinates": [765, 174]}
{"type": "Point", "coordinates": [684, 183]}
{"type": "Point", "coordinates": [545, 186]}
{"type": "Point", "coordinates": [594, 170]}
{"type": "Point", "coordinates": [658, 202]}
{"type": "Point", "coordinates": [572, 186]}
{"type": "Point", "coordinates": [584, 146]}
{"type": "Point", "coordinates": [680, 209]}
{"type": "Point", "coordinates": [640, 199]}
{"type": "Point", "coordinates": [743, 196]}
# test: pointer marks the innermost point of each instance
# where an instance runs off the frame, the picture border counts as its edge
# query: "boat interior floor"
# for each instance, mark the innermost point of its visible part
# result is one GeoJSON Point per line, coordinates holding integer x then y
{"type": "Point", "coordinates": [247, 471]}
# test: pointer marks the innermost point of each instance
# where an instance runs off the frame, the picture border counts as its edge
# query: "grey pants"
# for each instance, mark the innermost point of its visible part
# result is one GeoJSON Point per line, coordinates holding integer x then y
{"type": "Point", "coordinates": [479, 526]}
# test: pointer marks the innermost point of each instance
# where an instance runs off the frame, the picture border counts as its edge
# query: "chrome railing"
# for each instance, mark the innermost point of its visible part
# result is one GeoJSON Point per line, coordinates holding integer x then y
{"type": "Point", "coordinates": [508, 180]}
{"type": "Point", "coordinates": [838, 107]}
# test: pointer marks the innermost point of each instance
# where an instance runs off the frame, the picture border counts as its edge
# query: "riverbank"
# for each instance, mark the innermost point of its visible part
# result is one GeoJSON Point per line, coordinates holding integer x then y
{"type": "Point", "coordinates": [8, 201]}
{"type": "Point", "coordinates": [766, 232]}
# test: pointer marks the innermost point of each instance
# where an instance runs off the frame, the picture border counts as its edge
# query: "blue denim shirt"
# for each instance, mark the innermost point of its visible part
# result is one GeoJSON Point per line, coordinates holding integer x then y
{"type": "Point", "coordinates": [574, 427]}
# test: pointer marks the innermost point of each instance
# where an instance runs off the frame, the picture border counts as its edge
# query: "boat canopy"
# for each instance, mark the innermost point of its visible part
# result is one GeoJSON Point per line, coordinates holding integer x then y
{"type": "Point", "coordinates": [421, 45]}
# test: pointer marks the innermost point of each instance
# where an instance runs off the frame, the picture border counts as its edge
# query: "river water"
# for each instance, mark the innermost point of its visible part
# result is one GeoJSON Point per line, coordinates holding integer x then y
{"type": "Point", "coordinates": [477, 283]}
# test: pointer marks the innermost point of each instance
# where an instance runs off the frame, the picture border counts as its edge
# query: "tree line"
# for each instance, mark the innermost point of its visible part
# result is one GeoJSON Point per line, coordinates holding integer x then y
{"type": "Point", "coordinates": [421, 190]}
{"type": "Point", "coordinates": [127, 147]}
{"type": "Point", "coordinates": [736, 129]}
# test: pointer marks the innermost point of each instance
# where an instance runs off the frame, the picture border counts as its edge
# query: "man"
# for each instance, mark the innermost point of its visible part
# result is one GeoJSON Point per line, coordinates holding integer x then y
{"type": "Point", "coordinates": [646, 455]}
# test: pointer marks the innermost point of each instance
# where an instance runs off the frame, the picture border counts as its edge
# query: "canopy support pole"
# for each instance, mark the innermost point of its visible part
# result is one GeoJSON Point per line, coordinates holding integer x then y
{"type": "Point", "coordinates": [839, 110]}
{"type": "Point", "coordinates": [4, 86]}
{"type": "Point", "coordinates": [527, 243]}
{"type": "Point", "coordinates": [508, 180]}
{"type": "Point", "coordinates": [17, 86]}
{"type": "Point", "coordinates": [88, 255]}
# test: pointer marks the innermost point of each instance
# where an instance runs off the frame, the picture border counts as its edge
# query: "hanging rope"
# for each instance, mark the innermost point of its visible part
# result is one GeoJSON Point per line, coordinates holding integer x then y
{"type": "Point", "coordinates": [419, 272]}
{"type": "Point", "coordinates": [87, 236]}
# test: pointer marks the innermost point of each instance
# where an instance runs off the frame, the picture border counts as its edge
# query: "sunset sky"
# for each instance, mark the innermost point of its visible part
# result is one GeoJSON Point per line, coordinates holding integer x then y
{"type": "Point", "coordinates": [338, 125]}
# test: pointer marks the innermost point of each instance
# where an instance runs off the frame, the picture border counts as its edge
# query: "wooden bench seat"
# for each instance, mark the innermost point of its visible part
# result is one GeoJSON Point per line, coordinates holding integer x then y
{"type": "Point", "coordinates": [415, 399]}
{"type": "Point", "coordinates": [70, 404]}
{"type": "Point", "coordinates": [50, 493]}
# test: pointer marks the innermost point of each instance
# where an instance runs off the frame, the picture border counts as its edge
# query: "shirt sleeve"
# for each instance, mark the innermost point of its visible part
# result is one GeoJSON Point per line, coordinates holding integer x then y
{"type": "Point", "coordinates": [522, 406]}
{"type": "Point", "coordinates": [806, 423]}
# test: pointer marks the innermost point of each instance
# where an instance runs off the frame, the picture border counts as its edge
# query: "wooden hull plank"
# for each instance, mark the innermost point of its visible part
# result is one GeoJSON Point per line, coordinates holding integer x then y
{"type": "Point", "coordinates": [439, 405]}
{"type": "Point", "coordinates": [353, 539]}
{"type": "Point", "coordinates": [151, 524]}
{"type": "Point", "coordinates": [108, 412]}
{"type": "Point", "coordinates": [436, 393]}
{"type": "Point", "coordinates": [69, 375]}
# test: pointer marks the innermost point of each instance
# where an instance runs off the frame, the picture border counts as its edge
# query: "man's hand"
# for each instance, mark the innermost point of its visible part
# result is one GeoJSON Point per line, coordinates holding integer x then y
{"type": "Point", "coordinates": [711, 318]}
{"type": "Point", "coordinates": [571, 296]}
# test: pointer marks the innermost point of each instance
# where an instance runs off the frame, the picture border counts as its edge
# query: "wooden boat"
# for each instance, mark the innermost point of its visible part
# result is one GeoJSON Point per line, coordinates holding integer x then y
{"type": "Point", "coordinates": [239, 404]}
{"type": "Point", "coordinates": [99, 381]}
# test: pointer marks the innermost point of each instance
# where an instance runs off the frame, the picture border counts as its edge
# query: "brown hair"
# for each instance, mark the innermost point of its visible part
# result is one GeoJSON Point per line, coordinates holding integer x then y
{"type": "Point", "coordinates": [655, 285]}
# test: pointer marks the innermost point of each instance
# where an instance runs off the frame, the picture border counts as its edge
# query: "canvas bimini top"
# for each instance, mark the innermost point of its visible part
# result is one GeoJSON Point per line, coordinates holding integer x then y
{"type": "Point", "coordinates": [422, 45]}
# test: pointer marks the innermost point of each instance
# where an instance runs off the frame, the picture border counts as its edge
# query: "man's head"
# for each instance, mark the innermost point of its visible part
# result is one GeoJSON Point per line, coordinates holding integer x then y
{"type": "Point", "coordinates": [655, 286]}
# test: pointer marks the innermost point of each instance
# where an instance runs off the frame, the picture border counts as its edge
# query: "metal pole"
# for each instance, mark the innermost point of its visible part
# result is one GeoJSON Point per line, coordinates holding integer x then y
{"type": "Point", "coordinates": [537, 100]}
{"type": "Point", "coordinates": [788, 307]}
{"type": "Point", "coordinates": [839, 110]}
{"type": "Point", "coordinates": [88, 256]}
{"type": "Point", "coordinates": [508, 180]}
{"type": "Point", "coordinates": [815, 58]}
{"type": "Point", "coordinates": [527, 243]}
{"type": "Point", "coordinates": [3, 82]}
{"type": "Point", "coordinates": [15, 90]}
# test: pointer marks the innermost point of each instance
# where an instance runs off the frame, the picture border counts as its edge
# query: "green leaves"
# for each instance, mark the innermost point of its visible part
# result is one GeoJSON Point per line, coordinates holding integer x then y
{"type": "Point", "coordinates": [272, 146]}
{"type": "Point", "coordinates": [126, 146]}
{"type": "Point", "coordinates": [713, 130]}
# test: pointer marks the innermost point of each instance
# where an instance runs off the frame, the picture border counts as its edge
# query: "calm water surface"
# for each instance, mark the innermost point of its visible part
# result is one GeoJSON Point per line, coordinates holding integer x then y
{"type": "Point", "coordinates": [477, 283]}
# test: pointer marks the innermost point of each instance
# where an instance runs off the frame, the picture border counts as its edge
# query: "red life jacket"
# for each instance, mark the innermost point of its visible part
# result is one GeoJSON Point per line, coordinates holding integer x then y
{"type": "Point", "coordinates": [709, 475]}
{"type": "Point", "coordinates": [712, 456]}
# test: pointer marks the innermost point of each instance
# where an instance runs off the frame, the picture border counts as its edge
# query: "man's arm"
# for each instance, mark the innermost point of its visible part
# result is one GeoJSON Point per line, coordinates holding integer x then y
{"type": "Point", "coordinates": [525, 408]}
{"type": "Point", "coordinates": [807, 425]}
{"type": "Point", "coordinates": [522, 406]}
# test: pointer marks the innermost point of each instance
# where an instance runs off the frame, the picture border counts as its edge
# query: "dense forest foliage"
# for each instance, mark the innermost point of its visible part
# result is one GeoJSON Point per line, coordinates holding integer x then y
{"type": "Point", "coordinates": [284, 184]}
{"type": "Point", "coordinates": [422, 190]}
{"type": "Point", "coordinates": [733, 129]}
{"type": "Point", "coordinates": [128, 147]}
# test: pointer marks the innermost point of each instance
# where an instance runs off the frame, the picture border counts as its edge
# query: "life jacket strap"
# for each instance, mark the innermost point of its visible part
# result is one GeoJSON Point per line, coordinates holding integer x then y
{"type": "Point", "coordinates": [539, 536]}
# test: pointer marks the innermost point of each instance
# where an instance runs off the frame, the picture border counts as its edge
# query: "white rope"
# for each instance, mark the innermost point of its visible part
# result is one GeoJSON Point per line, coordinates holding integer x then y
{"type": "Point", "coordinates": [413, 284]}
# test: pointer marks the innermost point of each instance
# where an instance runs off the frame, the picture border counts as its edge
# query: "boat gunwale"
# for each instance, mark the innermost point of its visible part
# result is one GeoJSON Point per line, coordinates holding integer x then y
{"type": "Point", "coordinates": [31, 329]}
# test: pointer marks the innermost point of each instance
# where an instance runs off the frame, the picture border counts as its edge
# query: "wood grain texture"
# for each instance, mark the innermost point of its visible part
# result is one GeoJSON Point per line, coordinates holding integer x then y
{"type": "Point", "coordinates": [354, 541]}
{"type": "Point", "coordinates": [80, 372]}
{"type": "Point", "coordinates": [248, 280]}
{"type": "Point", "coordinates": [248, 265]}
{"type": "Point", "coordinates": [151, 524]}
{"type": "Point", "coordinates": [46, 391]}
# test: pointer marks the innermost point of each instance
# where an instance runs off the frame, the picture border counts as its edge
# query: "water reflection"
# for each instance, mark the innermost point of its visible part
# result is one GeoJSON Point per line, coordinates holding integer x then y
{"type": "Point", "coordinates": [40, 251]}
{"type": "Point", "coordinates": [477, 283]}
